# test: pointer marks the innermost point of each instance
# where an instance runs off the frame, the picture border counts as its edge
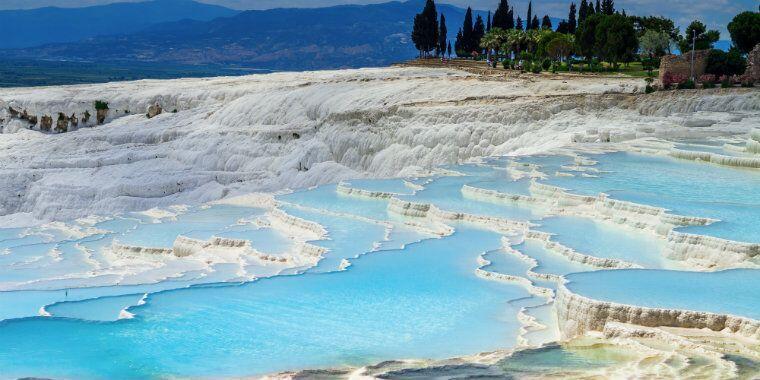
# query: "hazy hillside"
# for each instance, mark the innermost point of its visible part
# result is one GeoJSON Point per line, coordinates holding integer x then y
{"type": "Point", "coordinates": [28, 28]}
{"type": "Point", "coordinates": [280, 39]}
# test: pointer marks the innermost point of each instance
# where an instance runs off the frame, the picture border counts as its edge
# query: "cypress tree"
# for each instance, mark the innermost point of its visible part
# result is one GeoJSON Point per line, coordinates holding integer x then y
{"type": "Point", "coordinates": [582, 12]}
{"type": "Point", "coordinates": [529, 25]}
{"type": "Point", "coordinates": [608, 7]}
{"type": "Point", "coordinates": [511, 18]}
{"type": "Point", "coordinates": [449, 49]}
{"type": "Point", "coordinates": [590, 10]}
{"type": "Point", "coordinates": [467, 32]}
{"type": "Point", "coordinates": [458, 44]}
{"type": "Point", "coordinates": [534, 24]}
{"type": "Point", "coordinates": [563, 27]}
{"type": "Point", "coordinates": [519, 25]}
{"type": "Point", "coordinates": [431, 25]}
{"type": "Point", "coordinates": [425, 30]}
{"type": "Point", "coordinates": [478, 31]}
{"type": "Point", "coordinates": [571, 24]}
{"type": "Point", "coordinates": [500, 16]}
{"type": "Point", "coordinates": [546, 23]}
{"type": "Point", "coordinates": [442, 33]}
{"type": "Point", "coordinates": [417, 33]}
{"type": "Point", "coordinates": [598, 8]}
{"type": "Point", "coordinates": [488, 22]}
{"type": "Point", "coordinates": [585, 36]}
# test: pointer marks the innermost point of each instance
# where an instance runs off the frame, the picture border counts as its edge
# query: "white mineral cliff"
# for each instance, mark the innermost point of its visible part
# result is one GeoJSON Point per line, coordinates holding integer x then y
{"type": "Point", "coordinates": [578, 315]}
{"type": "Point", "coordinates": [290, 130]}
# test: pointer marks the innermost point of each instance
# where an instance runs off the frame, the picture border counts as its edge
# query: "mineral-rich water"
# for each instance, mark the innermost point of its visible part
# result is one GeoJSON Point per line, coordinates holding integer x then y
{"type": "Point", "coordinates": [386, 286]}
{"type": "Point", "coordinates": [724, 292]}
{"type": "Point", "coordinates": [601, 239]}
{"type": "Point", "coordinates": [683, 187]}
{"type": "Point", "coordinates": [420, 302]}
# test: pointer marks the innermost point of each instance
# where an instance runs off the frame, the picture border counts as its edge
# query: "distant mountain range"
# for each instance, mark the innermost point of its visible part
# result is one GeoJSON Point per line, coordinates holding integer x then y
{"type": "Point", "coordinates": [276, 39]}
{"type": "Point", "coordinates": [34, 27]}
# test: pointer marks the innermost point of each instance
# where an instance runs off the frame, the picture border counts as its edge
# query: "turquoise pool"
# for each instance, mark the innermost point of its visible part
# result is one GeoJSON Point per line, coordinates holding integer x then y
{"type": "Point", "coordinates": [386, 287]}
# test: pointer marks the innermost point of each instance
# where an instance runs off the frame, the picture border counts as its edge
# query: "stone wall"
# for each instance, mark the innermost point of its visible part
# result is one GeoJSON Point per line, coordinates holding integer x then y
{"type": "Point", "coordinates": [753, 63]}
{"type": "Point", "coordinates": [681, 64]}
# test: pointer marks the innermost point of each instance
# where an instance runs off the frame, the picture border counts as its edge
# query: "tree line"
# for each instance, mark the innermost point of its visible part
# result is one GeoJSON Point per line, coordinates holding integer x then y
{"type": "Point", "coordinates": [594, 31]}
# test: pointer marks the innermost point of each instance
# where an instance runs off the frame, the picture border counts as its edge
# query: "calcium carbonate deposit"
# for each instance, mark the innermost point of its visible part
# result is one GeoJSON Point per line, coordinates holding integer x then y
{"type": "Point", "coordinates": [436, 222]}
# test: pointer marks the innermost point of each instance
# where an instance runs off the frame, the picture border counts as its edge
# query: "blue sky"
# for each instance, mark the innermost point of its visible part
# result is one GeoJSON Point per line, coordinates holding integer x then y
{"type": "Point", "coordinates": [715, 13]}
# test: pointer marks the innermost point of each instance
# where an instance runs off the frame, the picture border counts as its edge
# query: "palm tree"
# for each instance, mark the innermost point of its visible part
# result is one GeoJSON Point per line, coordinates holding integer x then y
{"type": "Point", "coordinates": [560, 46]}
{"type": "Point", "coordinates": [490, 41]}
{"type": "Point", "coordinates": [494, 40]}
{"type": "Point", "coordinates": [532, 38]}
{"type": "Point", "coordinates": [515, 39]}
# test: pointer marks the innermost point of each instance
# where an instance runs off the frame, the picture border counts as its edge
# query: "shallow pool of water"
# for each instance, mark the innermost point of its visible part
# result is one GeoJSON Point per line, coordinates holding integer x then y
{"type": "Point", "coordinates": [724, 292]}
{"type": "Point", "coordinates": [601, 239]}
{"type": "Point", "coordinates": [683, 187]}
{"type": "Point", "coordinates": [384, 289]}
{"type": "Point", "coordinates": [424, 301]}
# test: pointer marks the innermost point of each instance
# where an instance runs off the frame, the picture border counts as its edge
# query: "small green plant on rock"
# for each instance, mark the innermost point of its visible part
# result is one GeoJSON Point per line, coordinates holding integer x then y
{"type": "Point", "coordinates": [649, 88]}
{"type": "Point", "coordinates": [546, 64]}
{"type": "Point", "coordinates": [101, 105]}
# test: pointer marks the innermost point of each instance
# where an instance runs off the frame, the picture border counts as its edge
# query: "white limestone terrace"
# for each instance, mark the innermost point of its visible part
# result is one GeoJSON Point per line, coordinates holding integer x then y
{"type": "Point", "coordinates": [269, 132]}
{"type": "Point", "coordinates": [578, 313]}
{"type": "Point", "coordinates": [234, 136]}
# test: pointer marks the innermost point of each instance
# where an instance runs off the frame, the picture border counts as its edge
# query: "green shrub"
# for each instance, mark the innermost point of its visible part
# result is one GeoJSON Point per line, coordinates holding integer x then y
{"type": "Point", "coordinates": [725, 84]}
{"type": "Point", "coordinates": [725, 63]}
{"type": "Point", "coordinates": [687, 85]}
{"type": "Point", "coordinates": [536, 68]}
{"type": "Point", "coordinates": [507, 64]}
{"type": "Point", "coordinates": [101, 105]}
{"type": "Point", "coordinates": [546, 64]}
{"type": "Point", "coordinates": [748, 83]}
{"type": "Point", "coordinates": [708, 85]}
{"type": "Point", "coordinates": [649, 89]}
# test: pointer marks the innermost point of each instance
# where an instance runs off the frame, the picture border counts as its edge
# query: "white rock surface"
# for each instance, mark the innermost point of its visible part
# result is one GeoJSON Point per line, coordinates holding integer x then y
{"type": "Point", "coordinates": [291, 130]}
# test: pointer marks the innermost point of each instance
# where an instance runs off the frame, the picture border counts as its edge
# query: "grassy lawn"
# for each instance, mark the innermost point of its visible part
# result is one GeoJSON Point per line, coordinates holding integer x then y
{"type": "Point", "coordinates": [634, 69]}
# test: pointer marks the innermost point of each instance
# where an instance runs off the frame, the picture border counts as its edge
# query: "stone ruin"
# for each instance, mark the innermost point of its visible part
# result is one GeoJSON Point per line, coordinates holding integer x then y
{"type": "Point", "coordinates": [753, 64]}
{"type": "Point", "coordinates": [681, 64]}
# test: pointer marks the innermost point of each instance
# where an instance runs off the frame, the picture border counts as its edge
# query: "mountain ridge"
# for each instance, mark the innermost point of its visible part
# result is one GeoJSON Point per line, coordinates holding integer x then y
{"type": "Point", "coordinates": [67, 25]}
{"type": "Point", "coordinates": [342, 36]}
